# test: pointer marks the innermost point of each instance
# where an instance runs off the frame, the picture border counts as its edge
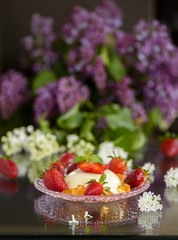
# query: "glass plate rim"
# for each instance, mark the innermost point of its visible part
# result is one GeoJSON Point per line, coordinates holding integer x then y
{"type": "Point", "coordinates": [38, 183]}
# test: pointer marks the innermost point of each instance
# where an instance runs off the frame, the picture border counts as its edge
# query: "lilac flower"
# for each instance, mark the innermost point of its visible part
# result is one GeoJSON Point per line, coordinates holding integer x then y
{"type": "Point", "coordinates": [13, 92]}
{"type": "Point", "coordinates": [45, 104]}
{"type": "Point", "coordinates": [139, 112]}
{"type": "Point", "coordinates": [125, 43]}
{"type": "Point", "coordinates": [111, 14]}
{"type": "Point", "coordinates": [70, 92]}
{"type": "Point", "coordinates": [39, 44]}
{"type": "Point", "coordinates": [99, 74]}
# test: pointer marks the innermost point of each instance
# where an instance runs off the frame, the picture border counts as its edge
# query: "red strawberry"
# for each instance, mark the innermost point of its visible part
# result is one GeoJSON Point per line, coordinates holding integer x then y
{"type": "Point", "coordinates": [136, 177]}
{"type": "Point", "coordinates": [71, 167]}
{"type": "Point", "coordinates": [59, 167]}
{"type": "Point", "coordinates": [8, 168]}
{"type": "Point", "coordinates": [118, 165]}
{"type": "Point", "coordinates": [105, 166]}
{"type": "Point", "coordinates": [96, 188]}
{"type": "Point", "coordinates": [92, 167]}
{"type": "Point", "coordinates": [54, 180]}
{"type": "Point", "coordinates": [66, 159]}
{"type": "Point", "coordinates": [169, 147]}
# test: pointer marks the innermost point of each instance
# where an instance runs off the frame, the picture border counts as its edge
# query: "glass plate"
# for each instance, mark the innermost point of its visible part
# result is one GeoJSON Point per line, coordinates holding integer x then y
{"type": "Point", "coordinates": [38, 183]}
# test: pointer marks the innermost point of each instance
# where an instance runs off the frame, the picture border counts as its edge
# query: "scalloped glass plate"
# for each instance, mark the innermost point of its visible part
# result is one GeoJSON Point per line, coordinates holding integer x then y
{"type": "Point", "coordinates": [38, 183]}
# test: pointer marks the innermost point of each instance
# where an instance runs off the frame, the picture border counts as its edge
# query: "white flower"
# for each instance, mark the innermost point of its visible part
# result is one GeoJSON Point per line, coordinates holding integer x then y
{"type": "Point", "coordinates": [87, 216]}
{"type": "Point", "coordinates": [129, 164]}
{"type": "Point", "coordinates": [171, 177]}
{"type": "Point", "coordinates": [107, 149]}
{"type": "Point", "coordinates": [79, 146]}
{"type": "Point", "coordinates": [149, 167]}
{"type": "Point", "coordinates": [149, 202]}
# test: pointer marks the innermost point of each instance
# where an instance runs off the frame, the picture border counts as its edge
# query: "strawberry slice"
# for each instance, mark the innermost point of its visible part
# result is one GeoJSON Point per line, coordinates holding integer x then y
{"type": "Point", "coordinates": [91, 167]}
{"type": "Point", "coordinates": [96, 188]}
{"type": "Point", "coordinates": [8, 168]}
{"type": "Point", "coordinates": [136, 177]}
{"type": "Point", "coordinates": [105, 166]}
{"type": "Point", "coordinates": [118, 165]}
{"type": "Point", "coordinates": [54, 180]}
{"type": "Point", "coordinates": [66, 159]}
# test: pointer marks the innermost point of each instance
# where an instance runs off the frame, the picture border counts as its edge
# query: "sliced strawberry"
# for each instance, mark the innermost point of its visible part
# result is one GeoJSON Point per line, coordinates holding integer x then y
{"type": "Point", "coordinates": [117, 165]}
{"type": "Point", "coordinates": [54, 180]}
{"type": "Point", "coordinates": [169, 147]}
{"type": "Point", "coordinates": [105, 166]}
{"type": "Point", "coordinates": [135, 178]}
{"type": "Point", "coordinates": [8, 168]}
{"type": "Point", "coordinates": [66, 159]}
{"type": "Point", "coordinates": [92, 167]}
{"type": "Point", "coordinates": [59, 167]}
{"type": "Point", "coordinates": [94, 188]}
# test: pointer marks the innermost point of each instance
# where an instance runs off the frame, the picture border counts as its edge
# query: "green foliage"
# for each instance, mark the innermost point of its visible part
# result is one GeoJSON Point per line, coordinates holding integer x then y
{"type": "Point", "coordinates": [86, 130]}
{"type": "Point", "coordinates": [72, 119]}
{"type": "Point", "coordinates": [42, 78]}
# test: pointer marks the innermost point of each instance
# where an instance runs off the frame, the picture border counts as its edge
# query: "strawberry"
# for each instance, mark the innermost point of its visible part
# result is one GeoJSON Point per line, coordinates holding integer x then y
{"type": "Point", "coordinates": [117, 165]}
{"type": "Point", "coordinates": [169, 147]}
{"type": "Point", "coordinates": [71, 167]}
{"type": "Point", "coordinates": [66, 159]}
{"type": "Point", "coordinates": [91, 167]}
{"type": "Point", "coordinates": [54, 180]}
{"type": "Point", "coordinates": [136, 177]}
{"type": "Point", "coordinates": [59, 167]}
{"type": "Point", "coordinates": [96, 188]}
{"type": "Point", "coordinates": [105, 166]}
{"type": "Point", "coordinates": [8, 168]}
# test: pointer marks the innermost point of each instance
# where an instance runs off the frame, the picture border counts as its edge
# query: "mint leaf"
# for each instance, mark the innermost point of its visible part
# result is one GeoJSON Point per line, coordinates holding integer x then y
{"type": "Point", "coordinates": [102, 178]}
{"type": "Point", "coordinates": [95, 158]}
{"type": "Point", "coordinates": [79, 159]}
{"type": "Point", "coordinates": [107, 189]}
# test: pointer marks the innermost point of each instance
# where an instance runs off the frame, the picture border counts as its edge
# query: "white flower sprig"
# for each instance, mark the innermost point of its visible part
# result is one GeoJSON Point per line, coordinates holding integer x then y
{"type": "Point", "coordinates": [107, 149]}
{"type": "Point", "coordinates": [149, 202]}
{"type": "Point", "coordinates": [149, 220]}
{"type": "Point", "coordinates": [149, 167]}
{"type": "Point", "coordinates": [171, 177]}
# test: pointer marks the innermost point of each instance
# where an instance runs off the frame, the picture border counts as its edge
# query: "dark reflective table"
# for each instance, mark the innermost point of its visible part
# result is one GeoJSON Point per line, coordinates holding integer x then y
{"type": "Point", "coordinates": [27, 212]}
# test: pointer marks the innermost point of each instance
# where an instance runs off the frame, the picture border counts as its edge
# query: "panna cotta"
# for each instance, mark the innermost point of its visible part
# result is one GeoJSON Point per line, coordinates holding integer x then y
{"type": "Point", "coordinates": [78, 177]}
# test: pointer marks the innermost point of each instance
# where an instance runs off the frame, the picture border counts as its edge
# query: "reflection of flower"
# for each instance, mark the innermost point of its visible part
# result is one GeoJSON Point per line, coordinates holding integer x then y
{"type": "Point", "coordinates": [107, 149]}
{"type": "Point", "coordinates": [171, 177]}
{"type": "Point", "coordinates": [149, 202]}
{"type": "Point", "coordinates": [149, 220]}
{"type": "Point", "coordinates": [171, 194]}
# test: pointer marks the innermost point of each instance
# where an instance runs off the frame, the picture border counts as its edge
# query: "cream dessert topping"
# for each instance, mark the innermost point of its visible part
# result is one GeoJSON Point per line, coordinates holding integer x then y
{"type": "Point", "coordinates": [78, 177]}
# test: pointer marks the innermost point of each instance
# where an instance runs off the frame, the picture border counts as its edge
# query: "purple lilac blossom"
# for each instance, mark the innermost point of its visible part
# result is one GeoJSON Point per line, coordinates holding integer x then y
{"type": "Point", "coordinates": [45, 104]}
{"type": "Point", "coordinates": [13, 92]}
{"type": "Point", "coordinates": [152, 43]}
{"type": "Point", "coordinates": [99, 74]}
{"type": "Point", "coordinates": [70, 92]}
{"type": "Point", "coordinates": [138, 111]}
{"type": "Point", "coordinates": [125, 43]}
{"type": "Point", "coordinates": [39, 44]}
{"type": "Point", "coordinates": [111, 14]}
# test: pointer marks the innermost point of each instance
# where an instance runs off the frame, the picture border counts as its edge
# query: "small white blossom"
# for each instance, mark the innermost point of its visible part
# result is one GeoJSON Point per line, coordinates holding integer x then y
{"type": "Point", "coordinates": [171, 177]}
{"type": "Point", "coordinates": [149, 167]}
{"type": "Point", "coordinates": [107, 149]}
{"type": "Point", "coordinates": [78, 146]}
{"type": "Point", "coordinates": [149, 202]}
{"type": "Point", "coordinates": [130, 164]}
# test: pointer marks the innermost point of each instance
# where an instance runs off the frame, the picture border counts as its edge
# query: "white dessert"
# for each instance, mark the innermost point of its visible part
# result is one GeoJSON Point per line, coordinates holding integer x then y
{"type": "Point", "coordinates": [78, 177]}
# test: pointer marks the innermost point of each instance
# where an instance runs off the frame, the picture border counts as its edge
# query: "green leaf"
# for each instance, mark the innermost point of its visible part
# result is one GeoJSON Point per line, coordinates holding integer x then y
{"type": "Point", "coordinates": [79, 159]}
{"type": "Point", "coordinates": [107, 189]}
{"type": "Point", "coordinates": [108, 110]}
{"type": "Point", "coordinates": [61, 135]}
{"type": "Point", "coordinates": [121, 119]}
{"type": "Point", "coordinates": [42, 78]}
{"type": "Point", "coordinates": [95, 158]}
{"type": "Point", "coordinates": [44, 124]}
{"type": "Point", "coordinates": [71, 119]}
{"type": "Point", "coordinates": [104, 55]}
{"type": "Point", "coordinates": [86, 130]}
{"type": "Point", "coordinates": [116, 68]}
{"type": "Point", "coordinates": [131, 141]}
{"type": "Point", "coordinates": [102, 178]}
